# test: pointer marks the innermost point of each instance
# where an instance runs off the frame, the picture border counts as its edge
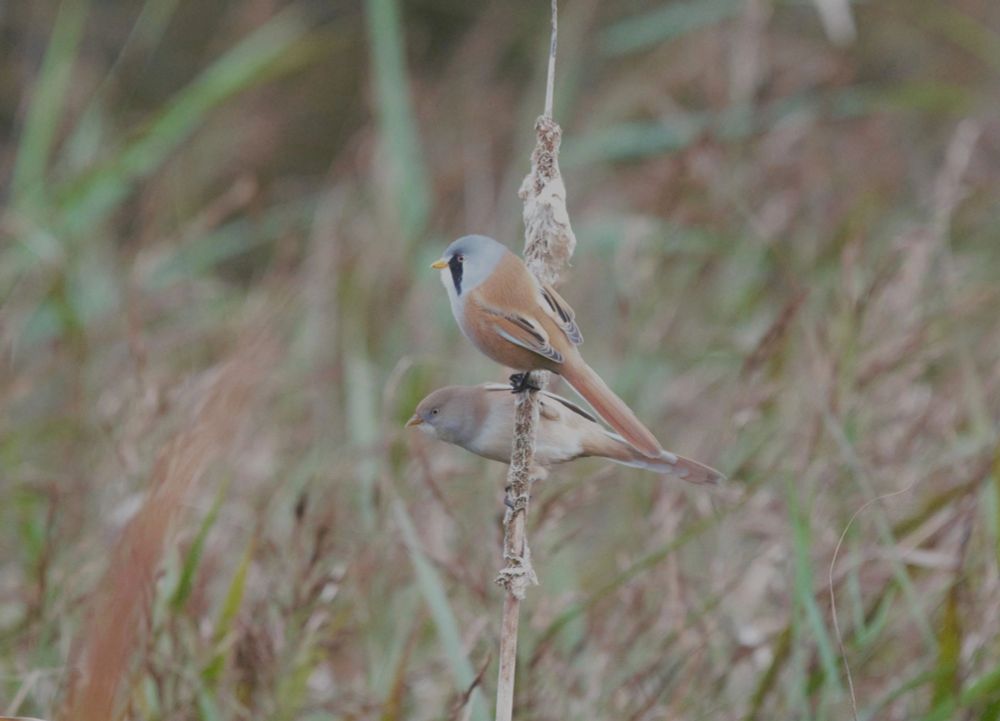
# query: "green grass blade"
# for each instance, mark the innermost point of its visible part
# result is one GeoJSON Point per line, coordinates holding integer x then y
{"type": "Point", "coordinates": [398, 660]}
{"type": "Point", "coordinates": [192, 560]}
{"type": "Point", "coordinates": [782, 648]}
{"type": "Point", "coordinates": [436, 597]}
{"type": "Point", "coordinates": [949, 637]}
{"type": "Point", "coordinates": [227, 614]}
{"type": "Point", "coordinates": [293, 686]}
{"type": "Point", "coordinates": [632, 140]}
{"type": "Point", "coordinates": [963, 29]}
{"type": "Point", "coordinates": [151, 24]}
{"type": "Point", "coordinates": [201, 254]}
{"type": "Point", "coordinates": [88, 135]}
{"type": "Point", "coordinates": [87, 200]}
{"type": "Point", "coordinates": [397, 127]}
{"type": "Point", "coordinates": [208, 710]}
{"type": "Point", "coordinates": [983, 691]}
{"type": "Point", "coordinates": [234, 596]}
{"type": "Point", "coordinates": [913, 682]}
{"type": "Point", "coordinates": [50, 92]}
{"type": "Point", "coordinates": [363, 430]}
{"type": "Point", "coordinates": [995, 495]}
{"type": "Point", "coordinates": [804, 584]}
{"type": "Point", "coordinates": [668, 22]}
{"type": "Point", "coordinates": [887, 534]}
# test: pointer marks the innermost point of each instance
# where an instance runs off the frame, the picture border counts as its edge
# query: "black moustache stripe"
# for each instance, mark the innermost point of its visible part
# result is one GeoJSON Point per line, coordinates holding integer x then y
{"type": "Point", "coordinates": [456, 273]}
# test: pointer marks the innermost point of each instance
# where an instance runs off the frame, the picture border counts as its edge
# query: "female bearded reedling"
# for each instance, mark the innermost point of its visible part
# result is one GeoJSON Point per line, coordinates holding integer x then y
{"type": "Point", "coordinates": [522, 324]}
{"type": "Point", "coordinates": [480, 419]}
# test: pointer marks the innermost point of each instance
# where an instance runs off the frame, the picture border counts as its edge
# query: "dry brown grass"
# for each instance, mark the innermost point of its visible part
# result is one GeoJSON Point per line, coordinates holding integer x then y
{"type": "Point", "coordinates": [117, 622]}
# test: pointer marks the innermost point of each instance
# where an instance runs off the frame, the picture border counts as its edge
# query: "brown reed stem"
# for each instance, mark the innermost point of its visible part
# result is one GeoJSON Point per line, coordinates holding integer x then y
{"type": "Point", "coordinates": [550, 81]}
{"type": "Point", "coordinates": [549, 244]}
{"type": "Point", "coordinates": [518, 573]}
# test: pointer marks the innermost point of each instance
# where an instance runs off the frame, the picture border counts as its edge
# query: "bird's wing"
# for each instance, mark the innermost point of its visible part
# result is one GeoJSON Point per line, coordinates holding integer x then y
{"type": "Point", "coordinates": [570, 406]}
{"type": "Point", "coordinates": [560, 312]}
{"type": "Point", "coordinates": [548, 411]}
{"type": "Point", "coordinates": [550, 405]}
{"type": "Point", "coordinates": [522, 331]}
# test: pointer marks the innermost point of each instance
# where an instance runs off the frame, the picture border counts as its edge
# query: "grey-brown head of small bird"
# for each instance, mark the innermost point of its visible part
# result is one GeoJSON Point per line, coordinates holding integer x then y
{"type": "Point", "coordinates": [480, 419]}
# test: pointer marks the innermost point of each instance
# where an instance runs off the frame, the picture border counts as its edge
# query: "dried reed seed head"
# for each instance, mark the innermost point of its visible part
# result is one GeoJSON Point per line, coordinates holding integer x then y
{"type": "Point", "coordinates": [545, 156]}
{"type": "Point", "coordinates": [549, 241]}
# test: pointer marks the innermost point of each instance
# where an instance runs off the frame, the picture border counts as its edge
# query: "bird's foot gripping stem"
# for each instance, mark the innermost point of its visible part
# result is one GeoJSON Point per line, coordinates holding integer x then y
{"type": "Point", "coordinates": [521, 382]}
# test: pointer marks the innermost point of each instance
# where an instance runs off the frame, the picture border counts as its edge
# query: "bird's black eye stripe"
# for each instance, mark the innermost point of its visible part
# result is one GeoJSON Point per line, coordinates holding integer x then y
{"type": "Point", "coordinates": [455, 265]}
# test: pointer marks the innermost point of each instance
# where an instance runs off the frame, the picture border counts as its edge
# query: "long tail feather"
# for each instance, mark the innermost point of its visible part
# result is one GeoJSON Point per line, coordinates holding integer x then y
{"type": "Point", "coordinates": [610, 407]}
{"type": "Point", "coordinates": [613, 447]}
{"type": "Point", "coordinates": [674, 465]}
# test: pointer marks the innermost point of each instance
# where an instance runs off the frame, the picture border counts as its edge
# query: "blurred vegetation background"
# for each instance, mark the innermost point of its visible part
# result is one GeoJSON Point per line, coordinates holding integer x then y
{"type": "Point", "coordinates": [788, 219]}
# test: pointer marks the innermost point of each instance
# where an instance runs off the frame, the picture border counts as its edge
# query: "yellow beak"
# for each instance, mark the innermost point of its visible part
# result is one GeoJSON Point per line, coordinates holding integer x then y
{"type": "Point", "coordinates": [439, 264]}
{"type": "Point", "coordinates": [414, 421]}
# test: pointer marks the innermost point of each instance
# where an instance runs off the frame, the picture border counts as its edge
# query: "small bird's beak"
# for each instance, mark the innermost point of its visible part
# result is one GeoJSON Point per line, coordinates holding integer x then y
{"type": "Point", "coordinates": [439, 264]}
{"type": "Point", "coordinates": [414, 421]}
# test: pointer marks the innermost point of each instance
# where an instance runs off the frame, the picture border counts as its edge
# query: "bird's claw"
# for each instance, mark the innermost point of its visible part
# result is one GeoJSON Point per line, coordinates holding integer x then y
{"type": "Point", "coordinates": [516, 504]}
{"type": "Point", "coordinates": [521, 382]}
{"type": "Point", "coordinates": [508, 499]}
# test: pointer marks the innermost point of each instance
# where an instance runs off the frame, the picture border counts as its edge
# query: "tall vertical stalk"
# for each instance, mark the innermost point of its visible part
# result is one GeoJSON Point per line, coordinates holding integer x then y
{"type": "Point", "coordinates": [549, 243]}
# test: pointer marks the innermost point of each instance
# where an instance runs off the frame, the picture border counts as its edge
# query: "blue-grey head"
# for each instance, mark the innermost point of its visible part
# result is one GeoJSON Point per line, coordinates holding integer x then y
{"type": "Point", "coordinates": [467, 262]}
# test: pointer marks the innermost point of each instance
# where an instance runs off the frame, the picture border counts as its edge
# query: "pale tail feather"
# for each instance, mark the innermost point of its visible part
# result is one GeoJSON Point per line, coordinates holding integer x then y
{"type": "Point", "coordinates": [620, 451]}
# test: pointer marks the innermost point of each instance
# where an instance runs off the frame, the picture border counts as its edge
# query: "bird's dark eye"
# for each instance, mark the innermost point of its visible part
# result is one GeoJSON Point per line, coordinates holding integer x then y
{"type": "Point", "coordinates": [434, 412]}
{"type": "Point", "coordinates": [460, 258]}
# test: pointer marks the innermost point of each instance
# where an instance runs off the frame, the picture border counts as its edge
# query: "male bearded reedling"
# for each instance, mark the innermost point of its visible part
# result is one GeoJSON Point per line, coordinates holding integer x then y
{"type": "Point", "coordinates": [480, 419]}
{"type": "Point", "coordinates": [522, 324]}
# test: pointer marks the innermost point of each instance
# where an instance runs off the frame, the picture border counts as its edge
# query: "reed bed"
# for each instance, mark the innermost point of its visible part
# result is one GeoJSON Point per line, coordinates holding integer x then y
{"type": "Point", "coordinates": [787, 264]}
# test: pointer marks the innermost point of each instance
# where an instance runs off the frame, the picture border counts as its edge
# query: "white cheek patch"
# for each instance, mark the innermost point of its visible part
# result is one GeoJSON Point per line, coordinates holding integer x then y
{"type": "Point", "coordinates": [446, 281]}
{"type": "Point", "coordinates": [427, 428]}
